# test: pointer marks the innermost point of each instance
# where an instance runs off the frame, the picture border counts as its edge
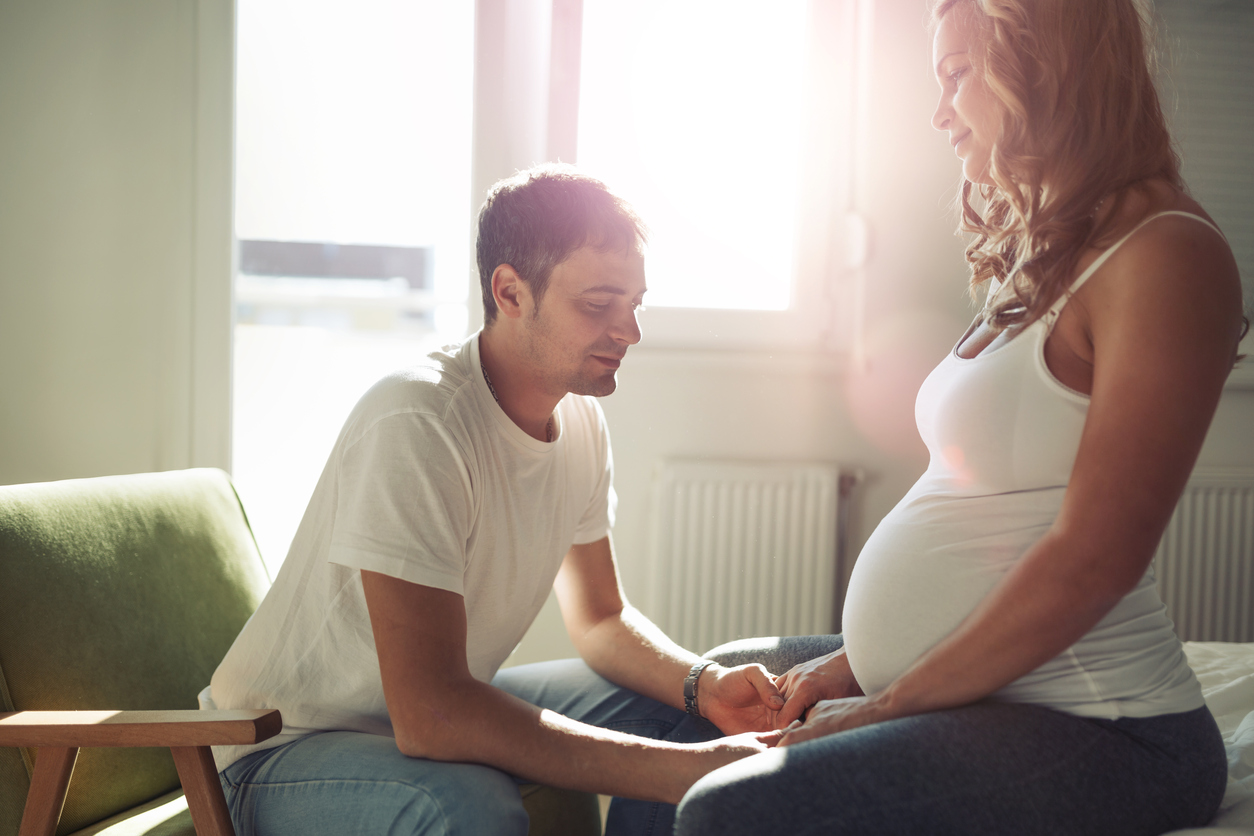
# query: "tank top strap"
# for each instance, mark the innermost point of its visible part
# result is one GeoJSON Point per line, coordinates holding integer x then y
{"type": "Point", "coordinates": [1052, 314]}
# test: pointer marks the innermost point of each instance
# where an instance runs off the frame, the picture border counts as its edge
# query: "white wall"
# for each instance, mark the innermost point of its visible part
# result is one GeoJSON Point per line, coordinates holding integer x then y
{"type": "Point", "coordinates": [115, 225]}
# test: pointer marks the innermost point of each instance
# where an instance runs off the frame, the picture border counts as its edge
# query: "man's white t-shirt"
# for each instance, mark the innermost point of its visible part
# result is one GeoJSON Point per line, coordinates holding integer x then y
{"type": "Point", "coordinates": [431, 482]}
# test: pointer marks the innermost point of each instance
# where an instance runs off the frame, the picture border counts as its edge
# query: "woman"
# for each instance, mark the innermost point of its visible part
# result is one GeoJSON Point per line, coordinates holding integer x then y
{"type": "Point", "coordinates": [1007, 665]}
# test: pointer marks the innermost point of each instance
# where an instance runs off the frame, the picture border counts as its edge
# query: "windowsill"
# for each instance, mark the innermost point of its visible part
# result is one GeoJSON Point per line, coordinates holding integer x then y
{"type": "Point", "coordinates": [815, 362]}
{"type": "Point", "coordinates": [753, 361]}
{"type": "Point", "coordinates": [1242, 377]}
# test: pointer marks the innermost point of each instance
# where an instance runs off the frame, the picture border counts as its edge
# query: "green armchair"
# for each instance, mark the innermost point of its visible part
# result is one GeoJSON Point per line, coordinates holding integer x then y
{"type": "Point", "coordinates": [118, 598]}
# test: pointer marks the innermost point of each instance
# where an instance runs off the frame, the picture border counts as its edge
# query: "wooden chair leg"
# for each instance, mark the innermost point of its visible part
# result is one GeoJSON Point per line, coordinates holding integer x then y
{"type": "Point", "coordinates": [53, 767]}
{"type": "Point", "coordinates": [203, 789]}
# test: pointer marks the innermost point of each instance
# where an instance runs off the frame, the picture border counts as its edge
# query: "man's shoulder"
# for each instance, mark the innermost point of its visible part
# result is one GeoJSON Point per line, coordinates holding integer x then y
{"type": "Point", "coordinates": [435, 386]}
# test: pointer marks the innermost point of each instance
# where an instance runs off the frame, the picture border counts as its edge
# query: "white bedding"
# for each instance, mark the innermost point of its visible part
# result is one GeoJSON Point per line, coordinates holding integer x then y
{"type": "Point", "coordinates": [1226, 671]}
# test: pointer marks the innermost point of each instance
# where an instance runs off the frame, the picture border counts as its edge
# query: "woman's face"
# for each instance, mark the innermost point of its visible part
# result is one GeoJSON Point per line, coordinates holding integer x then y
{"type": "Point", "coordinates": [968, 110]}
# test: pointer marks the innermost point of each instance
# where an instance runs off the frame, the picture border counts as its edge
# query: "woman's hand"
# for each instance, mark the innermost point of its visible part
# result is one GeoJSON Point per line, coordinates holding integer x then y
{"type": "Point", "coordinates": [823, 678]}
{"type": "Point", "coordinates": [831, 716]}
{"type": "Point", "coordinates": [740, 699]}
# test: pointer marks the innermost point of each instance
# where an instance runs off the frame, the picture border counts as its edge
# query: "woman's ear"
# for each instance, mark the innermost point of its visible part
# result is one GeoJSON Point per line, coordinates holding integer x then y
{"type": "Point", "coordinates": [509, 290]}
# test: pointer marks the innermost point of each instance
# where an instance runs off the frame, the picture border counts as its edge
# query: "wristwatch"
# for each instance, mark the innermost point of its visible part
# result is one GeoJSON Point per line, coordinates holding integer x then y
{"type": "Point", "coordinates": [690, 686]}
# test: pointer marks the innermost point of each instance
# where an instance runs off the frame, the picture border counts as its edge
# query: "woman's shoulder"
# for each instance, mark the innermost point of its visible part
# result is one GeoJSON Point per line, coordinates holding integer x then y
{"type": "Point", "coordinates": [1162, 236]}
{"type": "Point", "coordinates": [1172, 269]}
{"type": "Point", "coordinates": [1156, 217]}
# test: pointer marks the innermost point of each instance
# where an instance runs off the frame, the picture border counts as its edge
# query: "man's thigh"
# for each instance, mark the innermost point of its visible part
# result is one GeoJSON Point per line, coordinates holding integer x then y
{"type": "Point", "coordinates": [347, 783]}
{"type": "Point", "coordinates": [571, 688]}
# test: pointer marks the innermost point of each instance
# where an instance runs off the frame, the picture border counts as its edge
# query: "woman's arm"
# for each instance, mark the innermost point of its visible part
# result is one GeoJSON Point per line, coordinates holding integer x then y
{"type": "Point", "coordinates": [1163, 317]}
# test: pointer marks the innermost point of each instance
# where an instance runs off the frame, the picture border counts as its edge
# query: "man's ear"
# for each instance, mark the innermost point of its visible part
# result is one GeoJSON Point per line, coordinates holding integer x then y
{"type": "Point", "coordinates": [510, 291]}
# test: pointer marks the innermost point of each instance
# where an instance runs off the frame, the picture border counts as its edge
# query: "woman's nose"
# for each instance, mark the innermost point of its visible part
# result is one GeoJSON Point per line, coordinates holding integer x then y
{"type": "Point", "coordinates": [940, 119]}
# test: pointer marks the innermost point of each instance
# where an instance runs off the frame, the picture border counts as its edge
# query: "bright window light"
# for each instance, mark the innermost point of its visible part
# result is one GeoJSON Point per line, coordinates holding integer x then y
{"type": "Point", "coordinates": [354, 126]}
{"type": "Point", "coordinates": [693, 111]}
{"type": "Point", "coordinates": [353, 138]}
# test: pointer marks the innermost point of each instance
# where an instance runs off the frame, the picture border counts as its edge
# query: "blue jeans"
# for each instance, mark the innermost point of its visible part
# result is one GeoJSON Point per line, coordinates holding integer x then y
{"type": "Point", "coordinates": [985, 769]}
{"type": "Point", "coordinates": [344, 783]}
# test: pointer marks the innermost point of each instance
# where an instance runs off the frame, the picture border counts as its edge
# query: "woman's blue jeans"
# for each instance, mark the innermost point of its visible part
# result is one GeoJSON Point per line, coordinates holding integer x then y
{"type": "Point", "coordinates": [346, 783]}
{"type": "Point", "coordinates": [989, 769]}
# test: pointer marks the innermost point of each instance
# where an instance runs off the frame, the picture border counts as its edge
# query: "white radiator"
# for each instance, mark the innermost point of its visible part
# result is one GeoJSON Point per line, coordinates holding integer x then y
{"type": "Point", "coordinates": [1205, 563]}
{"type": "Point", "coordinates": [747, 549]}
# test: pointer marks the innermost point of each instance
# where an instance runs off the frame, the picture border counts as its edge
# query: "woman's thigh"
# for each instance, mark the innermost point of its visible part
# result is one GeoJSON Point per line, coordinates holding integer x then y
{"type": "Point", "coordinates": [990, 768]}
{"type": "Point", "coordinates": [347, 783]}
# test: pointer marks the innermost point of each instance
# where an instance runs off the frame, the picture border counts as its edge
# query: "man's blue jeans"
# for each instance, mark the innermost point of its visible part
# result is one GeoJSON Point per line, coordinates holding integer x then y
{"type": "Point", "coordinates": [344, 783]}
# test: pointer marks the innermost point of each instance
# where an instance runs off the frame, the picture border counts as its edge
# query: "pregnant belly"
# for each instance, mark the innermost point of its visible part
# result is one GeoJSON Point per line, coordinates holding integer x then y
{"type": "Point", "coordinates": [926, 567]}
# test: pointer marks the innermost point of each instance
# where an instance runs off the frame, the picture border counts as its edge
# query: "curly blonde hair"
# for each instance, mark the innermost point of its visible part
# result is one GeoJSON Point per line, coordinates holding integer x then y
{"type": "Point", "coordinates": [1082, 123]}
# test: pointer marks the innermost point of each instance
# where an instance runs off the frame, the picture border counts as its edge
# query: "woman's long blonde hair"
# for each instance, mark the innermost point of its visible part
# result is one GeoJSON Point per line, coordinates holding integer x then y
{"type": "Point", "coordinates": [1081, 123]}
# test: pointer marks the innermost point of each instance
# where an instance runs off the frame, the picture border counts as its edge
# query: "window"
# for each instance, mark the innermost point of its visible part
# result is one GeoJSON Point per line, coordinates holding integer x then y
{"type": "Point", "coordinates": [355, 190]}
{"type": "Point", "coordinates": [728, 125]}
{"type": "Point", "coordinates": [353, 142]}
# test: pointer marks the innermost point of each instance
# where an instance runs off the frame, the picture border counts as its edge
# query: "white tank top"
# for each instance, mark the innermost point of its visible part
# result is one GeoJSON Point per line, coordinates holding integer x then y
{"type": "Point", "coordinates": [1003, 433]}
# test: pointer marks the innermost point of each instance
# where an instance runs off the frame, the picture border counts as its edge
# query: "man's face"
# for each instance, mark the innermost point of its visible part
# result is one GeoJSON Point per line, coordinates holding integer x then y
{"type": "Point", "coordinates": [577, 336]}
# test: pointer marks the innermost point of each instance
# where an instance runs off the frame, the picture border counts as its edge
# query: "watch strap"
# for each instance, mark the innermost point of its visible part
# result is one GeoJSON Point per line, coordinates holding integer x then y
{"type": "Point", "coordinates": [690, 686]}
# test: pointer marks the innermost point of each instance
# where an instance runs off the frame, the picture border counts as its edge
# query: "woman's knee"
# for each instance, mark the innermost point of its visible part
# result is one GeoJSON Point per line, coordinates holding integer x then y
{"type": "Point", "coordinates": [740, 798]}
{"type": "Point", "coordinates": [704, 810]}
{"type": "Point", "coordinates": [776, 654]}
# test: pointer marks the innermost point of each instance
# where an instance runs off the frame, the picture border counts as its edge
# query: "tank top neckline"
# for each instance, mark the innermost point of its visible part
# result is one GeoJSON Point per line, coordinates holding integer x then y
{"type": "Point", "coordinates": [1047, 320]}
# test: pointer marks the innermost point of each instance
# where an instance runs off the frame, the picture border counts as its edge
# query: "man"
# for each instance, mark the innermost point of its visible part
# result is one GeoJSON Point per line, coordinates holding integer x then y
{"type": "Point", "coordinates": [457, 494]}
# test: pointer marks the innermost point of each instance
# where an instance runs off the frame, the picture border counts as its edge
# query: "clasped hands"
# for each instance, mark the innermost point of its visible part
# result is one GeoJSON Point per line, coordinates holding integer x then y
{"type": "Point", "coordinates": [813, 699]}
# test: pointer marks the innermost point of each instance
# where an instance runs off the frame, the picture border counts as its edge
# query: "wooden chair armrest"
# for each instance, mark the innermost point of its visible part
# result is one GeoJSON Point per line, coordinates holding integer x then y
{"type": "Point", "coordinates": [85, 729]}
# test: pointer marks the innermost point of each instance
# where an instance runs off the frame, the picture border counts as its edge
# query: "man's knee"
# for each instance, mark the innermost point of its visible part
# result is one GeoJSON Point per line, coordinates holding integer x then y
{"type": "Point", "coordinates": [487, 812]}
{"type": "Point", "coordinates": [488, 804]}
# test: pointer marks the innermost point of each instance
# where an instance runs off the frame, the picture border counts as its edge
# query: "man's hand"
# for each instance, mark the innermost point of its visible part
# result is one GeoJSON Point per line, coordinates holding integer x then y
{"type": "Point", "coordinates": [740, 699]}
{"type": "Point", "coordinates": [823, 678]}
{"type": "Point", "coordinates": [831, 716]}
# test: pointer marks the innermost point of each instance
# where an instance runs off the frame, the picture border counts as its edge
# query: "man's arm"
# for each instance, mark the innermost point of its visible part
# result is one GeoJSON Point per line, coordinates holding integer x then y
{"type": "Point", "coordinates": [620, 644]}
{"type": "Point", "coordinates": [440, 712]}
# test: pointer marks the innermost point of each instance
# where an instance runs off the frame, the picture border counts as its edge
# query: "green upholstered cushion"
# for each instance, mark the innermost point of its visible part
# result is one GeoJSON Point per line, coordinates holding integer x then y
{"type": "Point", "coordinates": [122, 592]}
{"type": "Point", "coordinates": [560, 812]}
{"type": "Point", "coordinates": [163, 816]}
{"type": "Point", "coordinates": [552, 812]}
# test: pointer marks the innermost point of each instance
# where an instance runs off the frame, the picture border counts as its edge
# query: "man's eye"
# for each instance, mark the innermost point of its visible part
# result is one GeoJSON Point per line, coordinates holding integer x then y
{"type": "Point", "coordinates": [595, 307]}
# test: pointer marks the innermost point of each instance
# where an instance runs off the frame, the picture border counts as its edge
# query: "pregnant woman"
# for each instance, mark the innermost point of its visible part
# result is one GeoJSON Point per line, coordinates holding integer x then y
{"type": "Point", "coordinates": [1007, 666]}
